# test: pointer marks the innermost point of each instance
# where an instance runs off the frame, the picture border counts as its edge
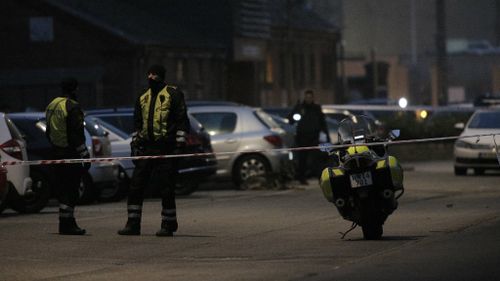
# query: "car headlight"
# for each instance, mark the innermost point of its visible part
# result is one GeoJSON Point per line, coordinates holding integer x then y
{"type": "Point", "coordinates": [462, 144]}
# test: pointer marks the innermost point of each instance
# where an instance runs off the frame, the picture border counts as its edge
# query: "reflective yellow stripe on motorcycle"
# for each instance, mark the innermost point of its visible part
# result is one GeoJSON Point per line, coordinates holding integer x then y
{"type": "Point", "coordinates": [381, 164]}
{"type": "Point", "coordinates": [357, 149]}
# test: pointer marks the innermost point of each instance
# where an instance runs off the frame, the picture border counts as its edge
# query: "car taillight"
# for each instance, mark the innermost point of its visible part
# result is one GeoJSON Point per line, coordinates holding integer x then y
{"type": "Point", "coordinates": [13, 148]}
{"type": "Point", "coordinates": [97, 147]}
{"type": "Point", "coordinates": [192, 140]}
{"type": "Point", "coordinates": [274, 140]}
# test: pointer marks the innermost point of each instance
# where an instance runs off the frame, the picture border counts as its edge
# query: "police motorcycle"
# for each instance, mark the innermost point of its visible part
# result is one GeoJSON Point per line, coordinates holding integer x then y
{"type": "Point", "coordinates": [366, 182]}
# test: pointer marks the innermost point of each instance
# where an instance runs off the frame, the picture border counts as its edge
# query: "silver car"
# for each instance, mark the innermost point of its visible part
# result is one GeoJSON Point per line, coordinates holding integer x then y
{"type": "Point", "coordinates": [244, 132]}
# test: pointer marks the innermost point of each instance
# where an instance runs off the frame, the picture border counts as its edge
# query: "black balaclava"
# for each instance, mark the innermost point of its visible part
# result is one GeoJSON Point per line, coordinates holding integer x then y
{"type": "Point", "coordinates": [69, 85]}
{"type": "Point", "coordinates": [157, 85]}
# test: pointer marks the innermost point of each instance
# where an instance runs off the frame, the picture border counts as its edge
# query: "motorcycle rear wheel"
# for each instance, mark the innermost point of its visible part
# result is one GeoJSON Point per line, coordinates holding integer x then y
{"type": "Point", "coordinates": [372, 231]}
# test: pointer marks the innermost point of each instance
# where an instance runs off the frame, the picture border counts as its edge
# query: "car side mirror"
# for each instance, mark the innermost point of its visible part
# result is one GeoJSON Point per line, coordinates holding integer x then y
{"type": "Point", "coordinates": [459, 126]}
{"type": "Point", "coordinates": [394, 134]}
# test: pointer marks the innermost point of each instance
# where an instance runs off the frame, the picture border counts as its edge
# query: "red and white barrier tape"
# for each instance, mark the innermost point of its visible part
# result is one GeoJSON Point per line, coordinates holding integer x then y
{"type": "Point", "coordinates": [111, 159]}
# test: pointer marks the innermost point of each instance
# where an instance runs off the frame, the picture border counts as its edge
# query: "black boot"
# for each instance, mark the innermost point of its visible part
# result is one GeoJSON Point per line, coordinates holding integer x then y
{"type": "Point", "coordinates": [68, 226]}
{"type": "Point", "coordinates": [167, 229]}
{"type": "Point", "coordinates": [133, 227]}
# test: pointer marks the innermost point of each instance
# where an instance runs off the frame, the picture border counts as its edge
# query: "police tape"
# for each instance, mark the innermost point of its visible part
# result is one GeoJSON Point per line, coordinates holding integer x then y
{"type": "Point", "coordinates": [322, 147]}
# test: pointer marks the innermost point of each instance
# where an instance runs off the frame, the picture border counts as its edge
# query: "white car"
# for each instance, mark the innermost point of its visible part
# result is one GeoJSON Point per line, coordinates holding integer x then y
{"type": "Point", "coordinates": [100, 177]}
{"type": "Point", "coordinates": [13, 148]}
{"type": "Point", "coordinates": [478, 154]}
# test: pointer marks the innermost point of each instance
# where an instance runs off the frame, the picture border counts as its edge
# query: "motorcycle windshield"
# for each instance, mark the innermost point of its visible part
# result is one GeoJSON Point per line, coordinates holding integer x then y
{"type": "Point", "coordinates": [356, 129]}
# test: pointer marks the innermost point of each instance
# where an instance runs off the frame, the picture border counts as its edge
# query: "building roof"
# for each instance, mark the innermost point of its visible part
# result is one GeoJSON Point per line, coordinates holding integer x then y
{"type": "Point", "coordinates": [191, 23]}
{"type": "Point", "coordinates": [301, 17]}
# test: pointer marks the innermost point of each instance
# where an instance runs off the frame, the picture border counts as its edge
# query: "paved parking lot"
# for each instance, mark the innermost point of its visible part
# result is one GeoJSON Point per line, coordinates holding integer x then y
{"type": "Point", "coordinates": [446, 227]}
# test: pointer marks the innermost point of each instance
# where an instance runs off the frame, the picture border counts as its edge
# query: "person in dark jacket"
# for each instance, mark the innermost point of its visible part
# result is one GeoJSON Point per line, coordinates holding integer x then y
{"type": "Point", "coordinates": [65, 131]}
{"type": "Point", "coordinates": [310, 123]}
{"type": "Point", "coordinates": [161, 125]}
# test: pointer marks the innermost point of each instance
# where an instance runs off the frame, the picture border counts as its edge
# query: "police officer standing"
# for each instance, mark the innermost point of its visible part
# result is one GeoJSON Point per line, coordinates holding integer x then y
{"type": "Point", "coordinates": [161, 125]}
{"type": "Point", "coordinates": [311, 122]}
{"type": "Point", "coordinates": [65, 131]}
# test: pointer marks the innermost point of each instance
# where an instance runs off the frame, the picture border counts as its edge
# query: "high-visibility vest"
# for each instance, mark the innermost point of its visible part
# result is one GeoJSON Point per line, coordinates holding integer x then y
{"type": "Point", "coordinates": [156, 128]}
{"type": "Point", "coordinates": [56, 115]}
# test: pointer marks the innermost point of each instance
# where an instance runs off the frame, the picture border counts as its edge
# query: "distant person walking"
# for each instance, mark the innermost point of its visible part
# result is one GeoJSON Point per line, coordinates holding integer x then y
{"type": "Point", "coordinates": [310, 123]}
{"type": "Point", "coordinates": [65, 131]}
{"type": "Point", "coordinates": [161, 125]}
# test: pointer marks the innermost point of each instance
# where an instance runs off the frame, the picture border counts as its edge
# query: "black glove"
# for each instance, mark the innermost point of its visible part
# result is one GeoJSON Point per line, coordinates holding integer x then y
{"type": "Point", "coordinates": [84, 154]}
{"type": "Point", "coordinates": [137, 147]}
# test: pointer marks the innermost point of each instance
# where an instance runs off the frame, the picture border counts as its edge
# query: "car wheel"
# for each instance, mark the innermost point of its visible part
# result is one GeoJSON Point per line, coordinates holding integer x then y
{"type": "Point", "coordinates": [35, 199]}
{"type": "Point", "coordinates": [3, 198]}
{"type": "Point", "coordinates": [249, 166]}
{"type": "Point", "coordinates": [185, 187]}
{"type": "Point", "coordinates": [478, 171]}
{"type": "Point", "coordinates": [86, 192]}
{"type": "Point", "coordinates": [118, 190]}
{"type": "Point", "coordinates": [460, 171]}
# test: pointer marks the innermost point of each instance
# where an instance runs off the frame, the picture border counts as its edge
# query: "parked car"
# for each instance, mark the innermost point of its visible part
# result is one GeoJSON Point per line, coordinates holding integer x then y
{"type": "Point", "coordinates": [333, 127]}
{"type": "Point", "coordinates": [192, 170]}
{"type": "Point", "coordinates": [243, 130]}
{"type": "Point", "coordinates": [99, 177]}
{"type": "Point", "coordinates": [337, 114]}
{"type": "Point", "coordinates": [13, 148]}
{"type": "Point", "coordinates": [3, 187]}
{"type": "Point", "coordinates": [478, 154]}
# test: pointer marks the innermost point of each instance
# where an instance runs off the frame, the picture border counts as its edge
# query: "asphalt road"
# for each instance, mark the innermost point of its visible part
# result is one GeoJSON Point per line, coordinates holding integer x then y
{"type": "Point", "coordinates": [446, 228]}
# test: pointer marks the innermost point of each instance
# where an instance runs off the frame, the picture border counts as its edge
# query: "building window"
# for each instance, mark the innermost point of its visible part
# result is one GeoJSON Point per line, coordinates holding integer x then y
{"type": "Point", "coordinates": [312, 69]}
{"type": "Point", "coordinates": [201, 74]}
{"type": "Point", "coordinates": [41, 29]}
{"type": "Point", "coordinates": [269, 69]}
{"type": "Point", "coordinates": [298, 70]}
{"type": "Point", "coordinates": [327, 71]}
{"type": "Point", "coordinates": [181, 72]}
{"type": "Point", "coordinates": [282, 70]}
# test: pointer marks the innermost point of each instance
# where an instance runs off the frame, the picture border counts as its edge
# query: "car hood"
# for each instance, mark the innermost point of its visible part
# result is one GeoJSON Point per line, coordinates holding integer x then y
{"type": "Point", "coordinates": [482, 140]}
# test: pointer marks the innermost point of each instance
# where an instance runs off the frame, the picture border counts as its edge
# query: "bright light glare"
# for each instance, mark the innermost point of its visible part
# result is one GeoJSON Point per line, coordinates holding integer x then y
{"type": "Point", "coordinates": [423, 114]}
{"type": "Point", "coordinates": [403, 102]}
{"type": "Point", "coordinates": [297, 117]}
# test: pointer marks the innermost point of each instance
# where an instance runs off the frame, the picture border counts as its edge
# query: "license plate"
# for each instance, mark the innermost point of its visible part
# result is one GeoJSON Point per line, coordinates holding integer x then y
{"type": "Point", "coordinates": [363, 179]}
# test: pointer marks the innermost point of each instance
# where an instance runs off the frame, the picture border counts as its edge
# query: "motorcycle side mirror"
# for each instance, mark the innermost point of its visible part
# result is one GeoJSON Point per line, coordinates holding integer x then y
{"type": "Point", "coordinates": [394, 134]}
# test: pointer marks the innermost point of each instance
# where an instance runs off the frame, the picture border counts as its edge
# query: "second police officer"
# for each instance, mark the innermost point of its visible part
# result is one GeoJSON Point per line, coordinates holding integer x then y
{"type": "Point", "coordinates": [161, 125]}
{"type": "Point", "coordinates": [65, 131]}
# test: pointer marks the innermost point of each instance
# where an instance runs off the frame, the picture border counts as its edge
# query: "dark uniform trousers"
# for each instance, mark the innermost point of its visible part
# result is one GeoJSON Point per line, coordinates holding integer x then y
{"type": "Point", "coordinates": [67, 178]}
{"type": "Point", "coordinates": [159, 172]}
{"type": "Point", "coordinates": [305, 156]}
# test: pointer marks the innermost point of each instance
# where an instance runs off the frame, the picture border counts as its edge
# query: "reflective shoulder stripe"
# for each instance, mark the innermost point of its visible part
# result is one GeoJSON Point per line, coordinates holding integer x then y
{"type": "Point", "coordinates": [338, 172]}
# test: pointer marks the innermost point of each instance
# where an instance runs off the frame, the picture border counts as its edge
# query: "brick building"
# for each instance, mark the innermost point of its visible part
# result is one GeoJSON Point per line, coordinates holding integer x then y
{"type": "Point", "coordinates": [213, 49]}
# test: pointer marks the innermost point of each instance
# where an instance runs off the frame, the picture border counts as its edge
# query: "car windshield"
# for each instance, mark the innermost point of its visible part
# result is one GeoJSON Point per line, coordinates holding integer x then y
{"type": "Point", "coordinates": [120, 124]}
{"type": "Point", "coordinates": [356, 129]}
{"type": "Point", "coordinates": [485, 120]}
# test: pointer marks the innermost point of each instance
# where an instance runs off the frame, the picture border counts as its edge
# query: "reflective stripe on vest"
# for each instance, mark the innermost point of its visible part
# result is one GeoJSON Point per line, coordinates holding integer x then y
{"type": "Point", "coordinates": [160, 115]}
{"type": "Point", "coordinates": [56, 114]}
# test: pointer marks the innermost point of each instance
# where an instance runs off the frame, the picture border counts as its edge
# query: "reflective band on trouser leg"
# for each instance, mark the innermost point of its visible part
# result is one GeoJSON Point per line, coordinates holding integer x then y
{"type": "Point", "coordinates": [66, 211]}
{"type": "Point", "coordinates": [134, 211]}
{"type": "Point", "coordinates": [169, 215]}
